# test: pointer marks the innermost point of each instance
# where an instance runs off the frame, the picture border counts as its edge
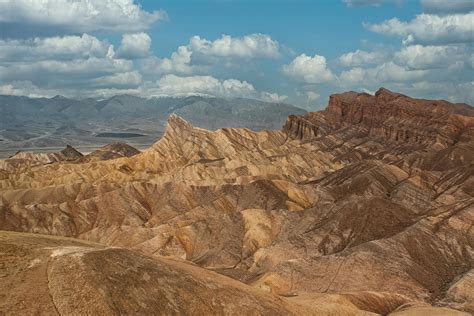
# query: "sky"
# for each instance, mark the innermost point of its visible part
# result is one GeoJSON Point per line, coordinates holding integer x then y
{"type": "Point", "coordinates": [292, 51]}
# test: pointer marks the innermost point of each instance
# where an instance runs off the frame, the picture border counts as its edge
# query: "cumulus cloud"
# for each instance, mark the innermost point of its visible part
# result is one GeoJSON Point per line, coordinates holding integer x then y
{"type": "Point", "coordinates": [208, 85]}
{"type": "Point", "coordinates": [312, 96]}
{"type": "Point", "coordinates": [53, 72]}
{"type": "Point", "coordinates": [172, 84]}
{"type": "Point", "coordinates": [58, 48]}
{"type": "Point", "coordinates": [429, 29]}
{"type": "Point", "coordinates": [84, 65]}
{"type": "Point", "coordinates": [451, 6]}
{"type": "Point", "coordinates": [417, 70]}
{"type": "Point", "coordinates": [199, 54]}
{"type": "Point", "coordinates": [386, 72]}
{"type": "Point", "coordinates": [361, 58]}
{"type": "Point", "coordinates": [453, 92]}
{"type": "Point", "coordinates": [133, 83]}
{"type": "Point", "coordinates": [178, 63]}
{"type": "Point", "coordinates": [131, 79]}
{"type": "Point", "coordinates": [309, 69]}
{"type": "Point", "coordinates": [42, 51]}
{"type": "Point", "coordinates": [249, 46]}
{"type": "Point", "coordinates": [432, 57]}
{"type": "Point", "coordinates": [26, 88]}
{"type": "Point", "coordinates": [134, 46]}
{"type": "Point", "coordinates": [25, 18]}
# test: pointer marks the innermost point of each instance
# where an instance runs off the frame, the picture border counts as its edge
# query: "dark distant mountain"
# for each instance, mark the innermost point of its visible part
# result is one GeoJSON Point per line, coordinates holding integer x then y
{"type": "Point", "coordinates": [55, 122]}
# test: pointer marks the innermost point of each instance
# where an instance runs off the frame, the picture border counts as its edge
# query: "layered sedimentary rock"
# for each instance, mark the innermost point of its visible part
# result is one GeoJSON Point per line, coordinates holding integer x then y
{"type": "Point", "coordinates": [27, 159]}
{"type": "Point", "coordinates": [23, 159]}
{"type": "Point", "coordinates": [112, 151]}
{"type": "Point", "coordinates": [390, 116]}
{"type": "Point", "coordinates": [334, 204]}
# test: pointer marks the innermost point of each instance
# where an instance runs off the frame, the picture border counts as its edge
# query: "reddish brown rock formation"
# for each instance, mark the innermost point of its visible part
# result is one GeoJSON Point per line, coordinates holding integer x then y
{"type": "Point", "coordinates": [391, 116]}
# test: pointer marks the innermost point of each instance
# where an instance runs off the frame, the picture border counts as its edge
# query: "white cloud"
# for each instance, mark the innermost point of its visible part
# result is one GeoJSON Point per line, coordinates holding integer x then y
{"type": "Point", "coordinates": [309, 69]}
{"type": "Point", "coordinates": [434, 71]}
{"type": "Point", "coordinates": [26, 88]}
{"type": "Point", "coordinates": [132, 83]}
{"type": "Point", "coordinates": [199, 54]}
{"type": "Point", "coordinates": [52, 72]}
{"type": "Point", "coordinates": [447, 6]}
{"type": "Point", "coordinates": [119, 80]}
{"type": "Point", "coordinates": [432, 57]}
{"type": "Point", "coordinates": [361, 58]}
{"type": "Point", "coordinates": [312, 96]}
{"type": "Point", "coordinates": [270, 97]}
{"type": "Point", "coordinates": [387, 72]}
{"type": "Point", "coordinates": [453, 92]}
{"type": "Point", "coordinates": [178, 63]}
{"type": "Point", "coordinates": [172, 85]}
{"type": "Point", "coordinates": [21, 18]}
{"type": "Point", "coordinates": [429, 29]}
{"type": "Point", "coordinates": [249, 46]}
{"type": "Point", "coordinates": [58, 48]}
{"type": "Point", "coordinates": [134, 46]}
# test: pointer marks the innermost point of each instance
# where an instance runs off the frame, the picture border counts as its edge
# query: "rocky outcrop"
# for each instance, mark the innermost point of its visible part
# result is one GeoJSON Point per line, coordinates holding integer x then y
{"type": "Point", "coordinates": [347, 212]}
{"type": "Point", "coordinates": [113, 151]}
{"type": "Point", "coordinates": [391, 116]}
{"type": "Point", "coordinates": [25, 159]}
{"type": "Point", "coordinates": [299, 127]}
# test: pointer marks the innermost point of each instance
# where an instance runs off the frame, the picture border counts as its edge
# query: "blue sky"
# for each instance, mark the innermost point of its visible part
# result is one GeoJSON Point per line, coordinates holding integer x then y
{"type": "Point", "coordinates": [297, 51]}
{"type": "Point", "coordinates": [305, 26]}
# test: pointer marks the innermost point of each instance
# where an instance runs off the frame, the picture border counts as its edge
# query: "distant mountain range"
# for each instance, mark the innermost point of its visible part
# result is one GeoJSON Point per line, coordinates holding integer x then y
{"type": "Point", "coordinates": [58, 121]}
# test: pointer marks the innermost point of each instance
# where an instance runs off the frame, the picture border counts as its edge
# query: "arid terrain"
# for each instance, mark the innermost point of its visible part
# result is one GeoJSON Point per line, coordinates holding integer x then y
{"type": "Point", "coordinates": [366, 207]}
{"type": "Point", "coordinates": [49, 124]}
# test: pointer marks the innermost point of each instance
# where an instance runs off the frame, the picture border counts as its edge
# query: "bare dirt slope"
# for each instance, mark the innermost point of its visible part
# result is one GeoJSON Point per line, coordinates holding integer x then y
{"type": "Point", "coordinates": [55, 275]}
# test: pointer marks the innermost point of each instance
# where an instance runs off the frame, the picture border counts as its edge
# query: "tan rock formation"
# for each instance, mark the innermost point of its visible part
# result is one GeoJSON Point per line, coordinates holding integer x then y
{"type": "Point", "coordinates": [24, 159]}
{"type": "Point", "coordinates": [112, 151]}
{"type": "Point", "coordinates": [370, 202]}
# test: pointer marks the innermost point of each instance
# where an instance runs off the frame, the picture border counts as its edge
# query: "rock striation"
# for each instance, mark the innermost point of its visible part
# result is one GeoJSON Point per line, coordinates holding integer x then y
{"type": "Point", "coordinates": [335, 206]}
{"type": "Point", "coordinates": [27, 159]}
{"type": "Point", "coordinates": [391, 116]}
{"type": "Point", "coordinates": [113, 151]}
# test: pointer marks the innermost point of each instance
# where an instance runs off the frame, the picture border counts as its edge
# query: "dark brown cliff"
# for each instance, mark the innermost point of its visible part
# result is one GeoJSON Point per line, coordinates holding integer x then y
{"type": "Point", "coordinates": [391, 116]}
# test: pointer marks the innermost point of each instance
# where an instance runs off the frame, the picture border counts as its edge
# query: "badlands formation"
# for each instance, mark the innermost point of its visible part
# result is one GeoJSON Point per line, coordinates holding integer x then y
{"type": "Point", "coordinates": [364, 208]}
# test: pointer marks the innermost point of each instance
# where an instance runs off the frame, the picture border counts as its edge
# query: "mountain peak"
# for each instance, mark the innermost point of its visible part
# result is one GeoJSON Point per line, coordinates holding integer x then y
{"type": "Point", "coordinates": [114, 150]}
{"type": "Point", "coordinates": [386, 95]}
{"type": "Point", "coordinates": [71, 152]}
{"type": "Point", "coordinates": [176, 122]}
{"type": "Point", "coordinates": [383, 90]}
{"type": "Point", "coordinates": [56, 97]}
